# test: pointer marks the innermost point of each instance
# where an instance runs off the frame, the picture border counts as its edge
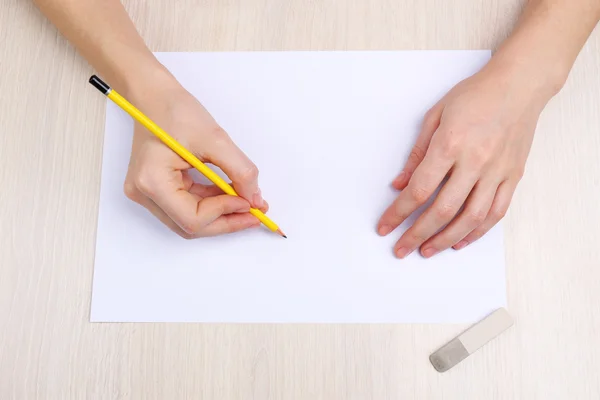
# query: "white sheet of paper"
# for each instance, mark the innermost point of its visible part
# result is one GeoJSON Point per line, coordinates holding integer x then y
{"type": "Point", "coordinates": [329, 131]}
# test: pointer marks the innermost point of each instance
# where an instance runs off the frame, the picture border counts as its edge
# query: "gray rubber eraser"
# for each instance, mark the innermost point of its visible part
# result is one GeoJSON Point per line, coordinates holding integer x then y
{"type": "Point", "coordinates": [471, 340]}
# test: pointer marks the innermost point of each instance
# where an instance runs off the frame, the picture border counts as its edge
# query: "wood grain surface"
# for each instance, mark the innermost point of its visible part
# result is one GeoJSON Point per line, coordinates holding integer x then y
{"type": "Point", "coordinates": [50, 154]}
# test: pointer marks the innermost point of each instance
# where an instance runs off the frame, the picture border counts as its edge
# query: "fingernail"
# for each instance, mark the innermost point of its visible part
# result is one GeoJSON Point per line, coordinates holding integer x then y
{"type": "Point", "coordinates": [399, 178]}
{"type": "Point", "coordinates": [460, 245]}
{"type": "Point", "coordinates": [403, 252]}
{"type": "Point", "coordinates": [384, 230]}
{"type": "Point", "coordinates": [430, 252]}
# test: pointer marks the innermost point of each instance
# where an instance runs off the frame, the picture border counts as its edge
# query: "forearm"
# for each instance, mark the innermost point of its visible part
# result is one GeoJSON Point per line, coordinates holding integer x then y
{"type": "Point", "coordinates": [104, 34]}
{"type": "Point", "coordinates": [544, 45]}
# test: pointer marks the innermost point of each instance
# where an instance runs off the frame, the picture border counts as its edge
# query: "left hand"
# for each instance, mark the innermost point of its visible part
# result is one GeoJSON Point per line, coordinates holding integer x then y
{"type": "Point", "coordinates": [479, 136]}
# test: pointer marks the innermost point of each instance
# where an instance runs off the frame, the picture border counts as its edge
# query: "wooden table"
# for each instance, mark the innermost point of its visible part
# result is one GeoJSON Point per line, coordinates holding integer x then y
{"type": "Point", "coordinates": [50, 156]}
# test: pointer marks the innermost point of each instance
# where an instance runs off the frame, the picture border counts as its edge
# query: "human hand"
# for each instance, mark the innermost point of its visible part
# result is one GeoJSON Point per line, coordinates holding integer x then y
{"type": "Point", "coordinates": [159, 180]}
{"type": "Point", "coordinates": [478, 136]}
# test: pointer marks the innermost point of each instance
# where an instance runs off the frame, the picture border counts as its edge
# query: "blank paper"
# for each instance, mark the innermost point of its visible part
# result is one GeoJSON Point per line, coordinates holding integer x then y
{"type": "Point", "coordinates": [329, 131]}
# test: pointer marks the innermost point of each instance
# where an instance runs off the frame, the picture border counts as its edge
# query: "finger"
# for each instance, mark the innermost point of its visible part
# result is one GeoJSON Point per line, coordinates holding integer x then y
{"type": "Point", "coordinates": [497, 212]}
{"type": "Point", "coordinates": [224, 224]}
{"type": "Point", "coordinates": [477, 207]}
{"type": "Point", "coordinates": [211, 208]}
{"type": "Point", "coordinates": [189, 212]}
{"type": "Point", "coordinates": [425, 180]}
{"type": "Point", "coordinates": [238, 167]}
{"type": "Point", "coordinates": [265, 207]}
{"type": "Point", "coordinates": [431, 122]}
{"type": "Point", "coordinates": [231, 223]}
{"type": "Point", "coordinates": [203, 191]}
{"type": "Point", "coordinates": [445, 207]}
{"type": "Point", "coordinates": [187, 179]}
{"type": "Point", "coordinates": [136, 196]}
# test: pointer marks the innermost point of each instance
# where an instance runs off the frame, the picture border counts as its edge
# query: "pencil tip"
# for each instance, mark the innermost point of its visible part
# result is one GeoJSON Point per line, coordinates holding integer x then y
{"type": "Point", "coordinates": [281, 233]}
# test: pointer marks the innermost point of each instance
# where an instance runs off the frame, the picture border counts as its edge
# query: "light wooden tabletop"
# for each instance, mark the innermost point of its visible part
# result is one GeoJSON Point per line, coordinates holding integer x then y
{"type": "Point", "coordinates": [50, 155]}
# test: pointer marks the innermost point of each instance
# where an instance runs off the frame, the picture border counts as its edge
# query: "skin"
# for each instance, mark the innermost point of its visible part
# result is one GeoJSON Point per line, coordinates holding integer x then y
{"type": "Point", "coordinates": [479, 135]}
{"type": "Point", "coordinates": [474, 142]}
{"type": "Point", "coordinates": [157, 178]}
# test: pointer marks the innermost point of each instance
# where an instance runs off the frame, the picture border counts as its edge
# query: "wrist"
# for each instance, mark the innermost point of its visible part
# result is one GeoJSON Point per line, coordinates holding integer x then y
{"type": "Point", "coordinates": [524, 60]}
{"type": "Point", "coordinates": [535, 83]}
{"type": "Point", "coordinates": [148, 83]}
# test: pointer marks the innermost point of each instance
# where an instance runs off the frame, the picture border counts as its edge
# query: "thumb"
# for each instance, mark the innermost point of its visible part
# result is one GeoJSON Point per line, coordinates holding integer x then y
{"type": "Point", "coordinates": [243, 173]}
{"type": "Point", "coordinates": [431, 122]}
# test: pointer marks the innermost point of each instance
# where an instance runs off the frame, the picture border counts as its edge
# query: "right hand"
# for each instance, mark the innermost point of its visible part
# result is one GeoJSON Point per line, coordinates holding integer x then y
{"type": "Point", "coordinates": [159, 180]}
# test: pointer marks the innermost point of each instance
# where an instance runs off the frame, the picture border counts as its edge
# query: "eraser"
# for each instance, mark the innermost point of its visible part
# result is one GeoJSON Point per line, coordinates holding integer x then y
{"type": "Point", "coordinates": [471, 340]}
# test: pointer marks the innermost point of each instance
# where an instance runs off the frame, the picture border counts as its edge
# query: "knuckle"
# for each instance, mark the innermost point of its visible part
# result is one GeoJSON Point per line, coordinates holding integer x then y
{"type": "Point", "coordinates": [131, 191]}
{"type": "Point", "coordinates": [476, 217]}
{"type": "Point", "coordinates": [499, 213]}
{"type": "Point", "coordinates": [221, 205]}
{"type": "Point", "coordinates": [248, 174]}
{"type": "Point", "coordinates": [479, 157]}
{"type": "Point", "coordinates": [144, 181]}
{"type": "Point", "coordinates": [476, 235]}
{"type": "Point", "coordinates": [191, 228]}
{"type": "Point", "coordinates": [450, 144]}
{"type": "Point", "coordinates": [430, 117]}
{"type": "Point", "coordinates": [416, 154]}
{"type": "Point", "coordinates": [416, 237]}
{"type": "Point", "coordinates": [187, 235]}
{"type": "Point", "coordinates": [219, 139]}
{"type": "Point", "coordinates": [482, 153]}
{"type": "Point", "coordinates": [396, 215]}
{"type": "Point", "coordinates": [419, 194]}
{"type": "Point", "coordinates": [519, 173]}
{"type": "Point", "coordinates": [445, 211]}
{"type": "Point", "coordinates": [218, 131]}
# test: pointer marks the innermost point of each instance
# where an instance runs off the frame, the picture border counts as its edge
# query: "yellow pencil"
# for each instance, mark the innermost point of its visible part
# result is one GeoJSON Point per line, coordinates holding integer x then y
{"type": "Point", "coordinates": [177, 147]}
